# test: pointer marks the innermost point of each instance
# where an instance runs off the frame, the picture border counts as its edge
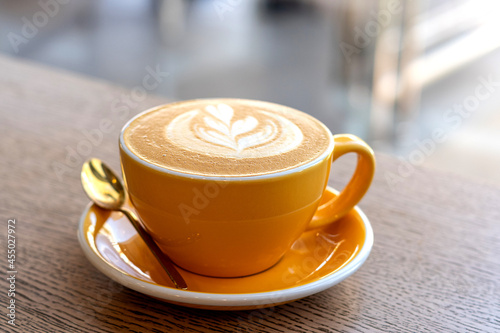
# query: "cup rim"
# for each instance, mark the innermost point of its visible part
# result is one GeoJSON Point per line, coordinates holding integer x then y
{"type": "Point", "coordinates": [158, 168]}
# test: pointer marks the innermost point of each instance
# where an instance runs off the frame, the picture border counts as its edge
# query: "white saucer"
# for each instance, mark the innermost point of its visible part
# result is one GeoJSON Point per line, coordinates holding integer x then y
{"type": "Point", "coordinates": [317, 261]}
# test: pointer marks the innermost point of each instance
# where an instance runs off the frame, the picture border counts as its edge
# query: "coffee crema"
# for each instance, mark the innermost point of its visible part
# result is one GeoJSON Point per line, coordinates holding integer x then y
{"type": "Point", "coordinates": [226, 137]}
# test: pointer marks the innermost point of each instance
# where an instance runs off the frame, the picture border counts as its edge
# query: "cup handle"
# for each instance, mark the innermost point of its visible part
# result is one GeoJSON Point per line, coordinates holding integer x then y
{"type": "Point", "coordinates": [337, 207]}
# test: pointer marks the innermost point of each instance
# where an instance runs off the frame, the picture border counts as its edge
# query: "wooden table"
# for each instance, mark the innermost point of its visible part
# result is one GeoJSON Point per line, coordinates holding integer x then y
{"type": "Point", "coordinates": [435, 265]}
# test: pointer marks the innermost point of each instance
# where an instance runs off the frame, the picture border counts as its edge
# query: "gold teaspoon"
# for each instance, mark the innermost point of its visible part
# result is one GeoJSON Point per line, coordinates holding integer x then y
{"type": "Point", "coordinates": [105, 189]}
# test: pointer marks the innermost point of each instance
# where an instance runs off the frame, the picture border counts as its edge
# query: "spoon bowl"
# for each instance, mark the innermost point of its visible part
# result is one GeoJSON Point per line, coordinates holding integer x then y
{"type": "Point", "coordinates": [102, 185]}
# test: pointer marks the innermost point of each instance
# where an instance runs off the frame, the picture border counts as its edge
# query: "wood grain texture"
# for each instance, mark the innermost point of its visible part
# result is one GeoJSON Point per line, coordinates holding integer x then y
{"type": "Point", "coordinates": [435, 265]}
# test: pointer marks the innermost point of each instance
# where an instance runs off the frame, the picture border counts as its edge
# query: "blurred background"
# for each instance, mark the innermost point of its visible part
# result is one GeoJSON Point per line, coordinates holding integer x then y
{"type": "Point", "coordinates": [416, 79]}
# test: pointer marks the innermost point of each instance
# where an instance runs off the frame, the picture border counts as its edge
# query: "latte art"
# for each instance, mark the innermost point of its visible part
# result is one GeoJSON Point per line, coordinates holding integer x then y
{"type": "Point", "coordinates": [219, 130]}
{"type": "Point", "coordinates": [226, 137]}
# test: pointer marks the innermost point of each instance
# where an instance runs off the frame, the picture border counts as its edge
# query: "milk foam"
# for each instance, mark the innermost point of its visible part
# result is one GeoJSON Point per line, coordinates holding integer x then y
{"type": "Point", "coordinates": [226, 137]}
{"type": "Point", "coordinates": [217, 129]}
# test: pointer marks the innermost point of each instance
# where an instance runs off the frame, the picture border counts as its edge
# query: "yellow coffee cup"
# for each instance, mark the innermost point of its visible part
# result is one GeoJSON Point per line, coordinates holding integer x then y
{"type": "Point", "coordinates": [232, 225]}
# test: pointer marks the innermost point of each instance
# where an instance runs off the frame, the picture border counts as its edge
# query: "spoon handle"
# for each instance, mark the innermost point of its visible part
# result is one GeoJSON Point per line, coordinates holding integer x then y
{"type": "Point", "coordinates": [164, 260]}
